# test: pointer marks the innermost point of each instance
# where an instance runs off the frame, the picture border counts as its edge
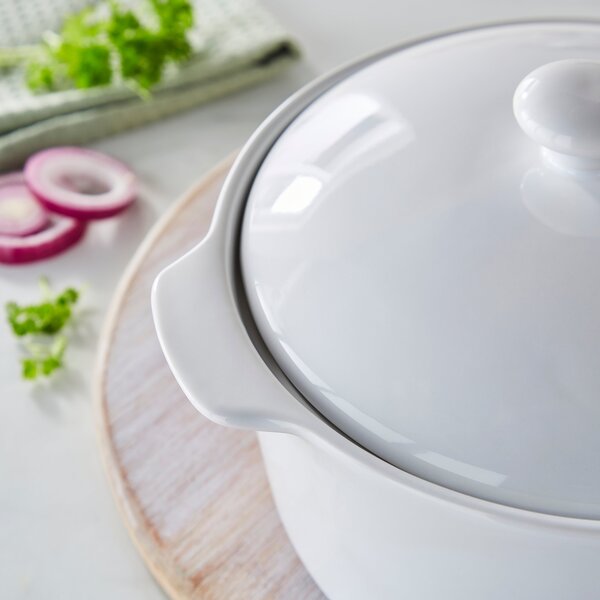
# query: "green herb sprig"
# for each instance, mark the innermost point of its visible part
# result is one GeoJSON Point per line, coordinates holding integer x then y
{"type": "Point", "coordinates": [44, 360]}
{"type": "Point", "coordinates": [109, 43]}
{"type": "Point", "coordinates": [40, 326]}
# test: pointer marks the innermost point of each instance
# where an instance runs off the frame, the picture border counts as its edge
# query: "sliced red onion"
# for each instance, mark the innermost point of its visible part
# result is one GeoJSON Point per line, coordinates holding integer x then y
{"type": "Point", "coordinates": [58, 235]}
{"type": "Point", "coordinates": [13, 177]}
{"type": "Point", "coordinates": [21, 214]}
{"type": "Point", "coordinates": [80, 183]}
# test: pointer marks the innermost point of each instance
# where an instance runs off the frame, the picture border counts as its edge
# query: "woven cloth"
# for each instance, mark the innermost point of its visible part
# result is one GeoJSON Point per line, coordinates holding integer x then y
{"type": "Point", "coordinates": [236, 43]}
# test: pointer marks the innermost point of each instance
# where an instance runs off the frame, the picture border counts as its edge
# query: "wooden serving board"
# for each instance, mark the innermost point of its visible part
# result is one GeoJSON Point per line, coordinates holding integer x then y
{"type": "Point", "coordinates": [193, 495]}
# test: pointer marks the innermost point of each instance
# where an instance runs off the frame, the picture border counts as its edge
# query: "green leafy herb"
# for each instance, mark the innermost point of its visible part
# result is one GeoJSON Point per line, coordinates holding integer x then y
{"type": "Point", "coordinates": [39, 325]}
{"type": "Point", "coordinates": [44, 360]}
{"type": "Point", "coordinates": [109, 43]}
{"type": "Point", "coordinates": [47, 317]}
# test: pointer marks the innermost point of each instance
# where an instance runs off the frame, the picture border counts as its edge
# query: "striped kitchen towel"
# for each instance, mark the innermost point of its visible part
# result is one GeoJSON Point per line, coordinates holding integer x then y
{"type": "Point", "coordinates": [236, 43]}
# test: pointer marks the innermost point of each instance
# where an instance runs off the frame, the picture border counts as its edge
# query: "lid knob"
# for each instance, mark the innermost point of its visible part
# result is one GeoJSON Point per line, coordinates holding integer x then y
{"type": "Point", "coordinates": [558, 106]}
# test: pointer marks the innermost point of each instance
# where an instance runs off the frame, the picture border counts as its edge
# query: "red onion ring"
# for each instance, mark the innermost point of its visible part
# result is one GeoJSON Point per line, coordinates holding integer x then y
{"type": "Point", "coordinates": [80, 183]}
{"type": "Point", "coordinates": [61, 233]}
{"type": "Point", "coordinates": [21, 214]}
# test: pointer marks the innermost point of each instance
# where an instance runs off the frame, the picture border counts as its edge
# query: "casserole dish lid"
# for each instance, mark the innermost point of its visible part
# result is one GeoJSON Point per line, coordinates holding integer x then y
{"type": "Point", "coordinates": [422, 261]}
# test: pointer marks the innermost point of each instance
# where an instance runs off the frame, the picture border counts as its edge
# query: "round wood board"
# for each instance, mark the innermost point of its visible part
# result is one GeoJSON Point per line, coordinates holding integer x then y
{"type": "Point", "coordinates": [193, 495]}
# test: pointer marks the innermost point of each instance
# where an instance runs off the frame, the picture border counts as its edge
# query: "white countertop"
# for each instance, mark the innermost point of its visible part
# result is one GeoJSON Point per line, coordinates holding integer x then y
{"type": "Point", "coordinates": [60, 533]}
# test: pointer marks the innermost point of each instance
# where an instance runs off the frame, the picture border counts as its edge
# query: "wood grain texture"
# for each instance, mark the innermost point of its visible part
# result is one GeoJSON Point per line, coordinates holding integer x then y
{"type": "Point", "coordinates": [193, 495]}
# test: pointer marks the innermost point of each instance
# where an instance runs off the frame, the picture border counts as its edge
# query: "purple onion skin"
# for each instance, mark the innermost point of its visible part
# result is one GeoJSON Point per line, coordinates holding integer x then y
{"type": "Point", "coordinates": [15, 255]}
{"type": "Point", "coordinates": [85, 212]}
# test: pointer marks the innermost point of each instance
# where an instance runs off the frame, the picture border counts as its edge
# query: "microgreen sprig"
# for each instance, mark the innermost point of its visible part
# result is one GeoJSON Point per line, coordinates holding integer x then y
{"type": "Point", "coordinates": [40, 326]}
{"type": "Point", "coordinates": [44, 360]}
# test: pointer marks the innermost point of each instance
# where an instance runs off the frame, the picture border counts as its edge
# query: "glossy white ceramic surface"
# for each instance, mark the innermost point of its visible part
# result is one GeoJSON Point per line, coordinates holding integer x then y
{"type": "Point", "coordinates": [403, 277]}
{"type": "Point", "coordinates": [363, 535]}
{"type": "Point", "coordinates": [363, 527]}
{"type": "Point", "coordinates": [558, 106]}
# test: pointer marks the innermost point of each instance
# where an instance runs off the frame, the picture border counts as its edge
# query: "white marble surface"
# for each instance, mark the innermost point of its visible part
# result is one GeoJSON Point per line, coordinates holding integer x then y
{"type": "Point", "coordinates": [60, 533]}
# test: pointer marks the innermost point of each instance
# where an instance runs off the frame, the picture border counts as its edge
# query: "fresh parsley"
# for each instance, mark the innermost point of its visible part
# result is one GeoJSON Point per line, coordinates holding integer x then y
{"type": "Point", "coordinates": [109, 43]}
{"type": "Point", "coordinates": [44, 360]}
{"type": "Point", "coordinates": [40, 326]}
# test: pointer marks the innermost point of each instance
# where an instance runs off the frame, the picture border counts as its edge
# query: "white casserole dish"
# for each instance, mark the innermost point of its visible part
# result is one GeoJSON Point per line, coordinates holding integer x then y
{"type": "Point", "coordinates": [397, 293]}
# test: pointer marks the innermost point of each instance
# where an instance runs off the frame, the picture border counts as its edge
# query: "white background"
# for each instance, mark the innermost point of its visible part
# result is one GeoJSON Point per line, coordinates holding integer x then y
{"type": "Point", "coordinates": [60, 533]}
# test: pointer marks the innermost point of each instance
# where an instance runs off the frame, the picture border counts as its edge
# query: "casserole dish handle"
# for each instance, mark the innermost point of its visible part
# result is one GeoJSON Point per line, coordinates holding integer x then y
{"type": "Point", "coordinates": [209, 350]}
